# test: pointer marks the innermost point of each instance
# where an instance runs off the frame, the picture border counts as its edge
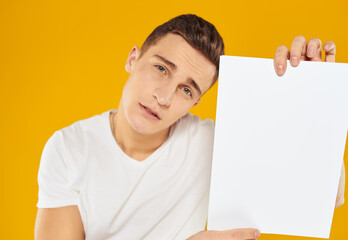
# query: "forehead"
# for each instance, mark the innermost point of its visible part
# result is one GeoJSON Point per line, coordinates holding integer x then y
{"type": "Point", "coordinates": [188, 60]}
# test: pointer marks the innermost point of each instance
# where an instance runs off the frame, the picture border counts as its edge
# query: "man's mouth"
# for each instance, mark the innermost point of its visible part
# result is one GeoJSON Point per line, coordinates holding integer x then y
{"type": "Point", "coordinates": [150, 111]}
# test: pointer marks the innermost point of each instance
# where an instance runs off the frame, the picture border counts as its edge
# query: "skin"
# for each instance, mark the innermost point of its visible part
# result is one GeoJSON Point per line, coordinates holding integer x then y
{"type": "Point", "coordinates": [311, 51]}
{"type": "Point", "coordinates": [154, 83]}
{"type": "Point", "coordinates": [301, 50]}
{"type": "Point", "coordinates": [162, 86]}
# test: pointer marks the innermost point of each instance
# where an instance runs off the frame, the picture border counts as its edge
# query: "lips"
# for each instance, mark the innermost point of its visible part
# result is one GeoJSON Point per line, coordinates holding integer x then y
{"type": "Point", "coordinates": [154, 113]}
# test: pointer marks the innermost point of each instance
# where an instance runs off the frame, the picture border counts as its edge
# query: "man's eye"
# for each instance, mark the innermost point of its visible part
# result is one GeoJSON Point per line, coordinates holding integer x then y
{"type": "Point", "coordinates": [187, 91]}
{"type": "Point", "coordinates": [161, 69]}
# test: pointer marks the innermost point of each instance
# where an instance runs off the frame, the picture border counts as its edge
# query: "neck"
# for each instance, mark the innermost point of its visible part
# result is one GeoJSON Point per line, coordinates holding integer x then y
{"type": "Point", "coordinates": [136, 145]}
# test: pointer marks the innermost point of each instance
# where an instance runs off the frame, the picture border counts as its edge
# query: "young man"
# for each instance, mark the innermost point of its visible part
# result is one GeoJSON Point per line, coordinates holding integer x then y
{"type": "Point", "coordinates": [143, 171]}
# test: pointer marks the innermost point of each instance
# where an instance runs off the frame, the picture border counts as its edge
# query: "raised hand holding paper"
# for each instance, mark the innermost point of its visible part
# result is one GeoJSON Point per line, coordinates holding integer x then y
{"type": "Point", "coordinates": [279, 145]}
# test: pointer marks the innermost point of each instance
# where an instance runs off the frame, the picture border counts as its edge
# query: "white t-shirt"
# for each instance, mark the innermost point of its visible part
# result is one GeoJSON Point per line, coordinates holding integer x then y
{"type": "Point", "coordinates": [164, 196]}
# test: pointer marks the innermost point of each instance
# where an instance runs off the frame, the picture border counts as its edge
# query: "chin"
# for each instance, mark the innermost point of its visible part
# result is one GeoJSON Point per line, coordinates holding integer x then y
{"type": "Point", "coordinates": [141, 126]}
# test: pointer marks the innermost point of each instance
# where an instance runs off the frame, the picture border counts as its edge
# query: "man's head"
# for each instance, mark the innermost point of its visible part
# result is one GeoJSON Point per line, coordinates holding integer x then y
{"type": "Point", "coordinates": [177, 64]}
{"type": "Point", "coordinates": [197, 32]}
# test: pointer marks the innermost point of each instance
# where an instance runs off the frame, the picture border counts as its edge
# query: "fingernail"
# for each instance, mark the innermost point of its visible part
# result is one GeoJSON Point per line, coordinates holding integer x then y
{"type": "Point", "coordinates": [294, 60]}
{"type": "Point", "coordinates": [257, 234]}
{"type": "Point", "coordinates": [280, 69]}
{"type": "Point", "coordinates": [329, 47]}
{"type": "Point", "coordinates": [311, 52]}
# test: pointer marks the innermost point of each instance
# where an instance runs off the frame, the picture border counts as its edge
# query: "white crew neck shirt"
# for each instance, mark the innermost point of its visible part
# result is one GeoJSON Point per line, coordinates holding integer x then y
{"type": "Point", "coordinates": [164, 196]}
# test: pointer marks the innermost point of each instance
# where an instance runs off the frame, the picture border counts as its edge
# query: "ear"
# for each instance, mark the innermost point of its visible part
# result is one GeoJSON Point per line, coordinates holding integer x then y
{"type": "Point", "coordinates": [199, 100]}
{"type": "Point", "coordinates": [132, 58]}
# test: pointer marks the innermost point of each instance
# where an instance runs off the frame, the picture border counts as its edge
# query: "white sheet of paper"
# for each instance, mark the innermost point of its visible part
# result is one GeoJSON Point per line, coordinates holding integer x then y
{"type": "Point", "coordinates": [279, 146]}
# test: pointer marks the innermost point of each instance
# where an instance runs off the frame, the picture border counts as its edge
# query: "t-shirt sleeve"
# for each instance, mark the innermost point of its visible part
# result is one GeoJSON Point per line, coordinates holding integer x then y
{"type": "Point", "coordinates": [53, 175]}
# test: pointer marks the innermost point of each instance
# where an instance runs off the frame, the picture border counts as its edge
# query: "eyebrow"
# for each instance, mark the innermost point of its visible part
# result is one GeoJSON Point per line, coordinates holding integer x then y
{"type": "Point", "coordinates": [171, 65]}
{"type": "Point", "coordinates": [174, 67]}
{"type": "Point", "coordinates": [195, 85]}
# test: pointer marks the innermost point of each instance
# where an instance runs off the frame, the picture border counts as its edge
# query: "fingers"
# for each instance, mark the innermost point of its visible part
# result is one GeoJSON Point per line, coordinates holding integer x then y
{"type": "Point", "coordinates": [235, 234]}
{"type": "Point", "coordinates": [330, 51]}
{"type": "Point", "coordinates": [297, 50]}
{"type": "Point", "coordinates": [314, 49]}
{"type": "Point", "coordinates": [243, 233]}
{"type": "Point", "coordinates": [280, 57]}
{"type": "Point", "coordinates": [301, 50]}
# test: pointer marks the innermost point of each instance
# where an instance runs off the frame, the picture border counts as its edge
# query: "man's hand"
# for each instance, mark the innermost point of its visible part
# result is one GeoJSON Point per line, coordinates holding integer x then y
{"type": "Point", "coordinates": [341, 187]}
{"type": "Point", "coordinates": [311, 51]}
{"type": "Point", "coordinates": [301, 50]}
{"type": "Point", "coordinates": [235, 234]}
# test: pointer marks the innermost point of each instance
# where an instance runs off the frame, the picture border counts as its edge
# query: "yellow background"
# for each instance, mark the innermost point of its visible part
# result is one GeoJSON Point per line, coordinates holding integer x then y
{"type": "Point", "coordinates": [62, 61]}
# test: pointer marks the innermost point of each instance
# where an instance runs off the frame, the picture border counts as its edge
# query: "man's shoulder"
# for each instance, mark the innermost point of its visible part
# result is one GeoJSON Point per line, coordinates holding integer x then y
{"type": "Point", "coordinates": [194, 121]}
{"type": "Point", "coordinates": [194, 126]}
{"type": "Point", "coordinates": [78, 132]}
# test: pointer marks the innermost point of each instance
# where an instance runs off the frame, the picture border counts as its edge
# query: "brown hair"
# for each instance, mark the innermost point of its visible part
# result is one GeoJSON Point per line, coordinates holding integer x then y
{"type": "Point", "coordinates": [199, 33]}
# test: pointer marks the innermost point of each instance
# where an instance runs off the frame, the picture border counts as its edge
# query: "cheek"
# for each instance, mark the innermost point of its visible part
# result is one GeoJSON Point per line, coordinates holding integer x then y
{"type": "Point", "coordinates": [179, 108]}
{"type": "Point", "coordinates": [143, 80]}
{"type": "Point", "coordinates": [134, 86]}
{"type": "Point", "coordinates": [139, 87]}
{"type": "Point", "coordinates": [127, 91]}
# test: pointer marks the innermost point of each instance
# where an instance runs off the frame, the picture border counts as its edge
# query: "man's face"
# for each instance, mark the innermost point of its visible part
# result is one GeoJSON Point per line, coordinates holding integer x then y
{"type": "Point", "coordinates": [167, 80]}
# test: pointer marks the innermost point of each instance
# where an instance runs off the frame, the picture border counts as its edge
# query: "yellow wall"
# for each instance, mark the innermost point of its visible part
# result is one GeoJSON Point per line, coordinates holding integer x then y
{"type": "Point", "coordinates": [62, 61]}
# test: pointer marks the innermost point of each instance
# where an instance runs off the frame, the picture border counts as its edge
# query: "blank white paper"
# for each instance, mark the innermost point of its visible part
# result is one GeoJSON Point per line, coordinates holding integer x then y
{"type": "Point", "coordinates": [279, 146]}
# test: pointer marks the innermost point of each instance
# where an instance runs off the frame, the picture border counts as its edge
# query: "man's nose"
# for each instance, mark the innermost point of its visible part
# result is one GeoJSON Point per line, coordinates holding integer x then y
{"type": "Point", "coordinates": [164, 94]}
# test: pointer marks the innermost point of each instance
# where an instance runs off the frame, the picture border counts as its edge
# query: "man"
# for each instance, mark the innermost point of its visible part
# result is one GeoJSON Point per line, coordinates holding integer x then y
{"type": "Point", "coordinates": [143, 171]}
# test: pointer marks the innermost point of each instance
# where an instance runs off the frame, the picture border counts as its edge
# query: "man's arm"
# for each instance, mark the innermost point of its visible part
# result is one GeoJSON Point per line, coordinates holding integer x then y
{"type": "Point", "coordinates": [62, 223]}
{"type": "Point", "coordinates": [340, 192]}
